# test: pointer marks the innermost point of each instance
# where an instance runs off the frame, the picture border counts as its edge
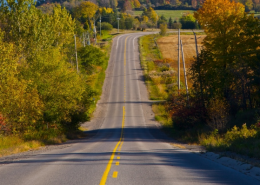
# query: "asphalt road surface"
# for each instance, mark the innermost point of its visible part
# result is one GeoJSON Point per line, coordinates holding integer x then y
{"type": "Point", "coordinates": [125, 150]}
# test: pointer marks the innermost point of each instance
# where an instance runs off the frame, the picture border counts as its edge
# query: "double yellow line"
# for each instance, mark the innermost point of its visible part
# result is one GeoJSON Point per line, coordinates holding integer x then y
{"type": "Point", "coordinates": [121, 140]}
{"type": "Point", "coordinates": [119, 143]}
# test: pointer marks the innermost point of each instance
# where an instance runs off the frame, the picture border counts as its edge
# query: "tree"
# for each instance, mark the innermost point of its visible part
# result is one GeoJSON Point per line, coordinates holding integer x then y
{"type": "Point", "coordinates": [170, 23]}
{"type": "Point", "coordinates": [129, 23]}
{"type": "Point", "coordinates": [226, 68]}
{"type": "Point", "coordinates": [85, 12]}
{"type": "Point", "coordinates": [136, 24]}
{"type": "Point", "coordinates": [151, 14]}
{"type": "Point", "coordinates": [136, 4]}
{"type": "Point", "coordinates": [145, 19]}
{"type": "Point", "coordinates": [163, 29]}
{"type": "Point", "coordinates": [127, 6]}
{"type": "Point", "coordinates": [188, 22]}
{"type": "Point", "coordinates": [104, 26]}
{"type": "Point", "coordinates": [43, 87]}
{"type": "Point", "coordinates": [162, 20]}
{"type": "Point", "coordinates": [91, 56]}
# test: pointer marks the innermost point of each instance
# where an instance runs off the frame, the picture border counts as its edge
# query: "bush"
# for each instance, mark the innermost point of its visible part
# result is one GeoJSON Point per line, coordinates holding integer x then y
{"type": "Point", "coordinates": [129, 23]}
{"type": "Point", "coordinates": [188, 22]}
{"type": "Point", "coordinates": [104, 26]}
{"type": "Point", "coordinates": [218, 112]}
{"type": "Point", "coordinates": [176, 26]}
{"type": "Point", "coordinates": [185, 116]}
{"type": "Point", "coordinates": [163, 29]}
{"type": "Point", "coordinates": [90, 57]}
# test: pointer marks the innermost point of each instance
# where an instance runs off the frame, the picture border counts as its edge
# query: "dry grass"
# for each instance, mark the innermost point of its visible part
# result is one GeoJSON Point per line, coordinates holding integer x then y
{"type": "Point", "coordinates": [178, 146]}
{"type": "Point", "coordinates": [169, 48]}
{"type": "Point", "coordinates": [14, 144]}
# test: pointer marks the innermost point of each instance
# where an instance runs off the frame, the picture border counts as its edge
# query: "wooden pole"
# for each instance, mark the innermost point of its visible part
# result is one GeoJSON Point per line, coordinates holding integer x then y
{"type": "Point", "coordinates": [76, 53]}
{"type": "Point", "coordinates": [184, 69]}
{"type": "Point", "coordinates": [196, 45]}
{"type": "Point", "coordinates": [179, 82]}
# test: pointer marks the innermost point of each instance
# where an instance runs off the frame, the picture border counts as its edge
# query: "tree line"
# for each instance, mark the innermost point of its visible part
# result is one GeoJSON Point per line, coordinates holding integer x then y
{"type": "Point", "coordinates": [41, 92]}
{"type": "Point", "coordinates": [226, 73]}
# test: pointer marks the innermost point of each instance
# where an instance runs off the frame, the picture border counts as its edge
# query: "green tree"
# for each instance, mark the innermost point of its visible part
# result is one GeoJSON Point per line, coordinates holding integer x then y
{"type": "Point", "coordinates": [129, 23]}
{"type": "Point", "coordinates": [170, 23]}
{"type": "Point", "coordinates": [188, 22]}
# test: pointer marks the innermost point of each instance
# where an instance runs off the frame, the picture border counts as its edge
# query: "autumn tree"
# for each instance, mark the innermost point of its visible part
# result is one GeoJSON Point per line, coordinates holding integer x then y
{"type": "Point", "coordinates": [226, 68]}
{"type": "Point", "coordinates": [85, 12]}
{"type": "Point", "coordinates": [151, 14]}
{"type": "Point", "coordinates": [136, 3]}
{"type": "Point", "coordinates": [39, 84]}
{"type": "Point", "coordinates": [127, 6]}
{"type": "Point", "coordinates": [163, 29]}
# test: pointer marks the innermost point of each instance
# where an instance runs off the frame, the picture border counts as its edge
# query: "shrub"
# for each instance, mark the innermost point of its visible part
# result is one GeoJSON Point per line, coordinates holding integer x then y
{"type": "Point", "coordinates": [218, 112]}
{"type": "Point", "coordinates": [185, 115]}
{"type": "Point", "coordinates": [91, 56]}
{"type": "Point", "coordinates": [104, 26]}
{"type": "Point", "coordinates": [176, 26]}
{"type": "Point", "coordinates": [163, 29]}
{"type": "Point", "coordinates": [129, 23]}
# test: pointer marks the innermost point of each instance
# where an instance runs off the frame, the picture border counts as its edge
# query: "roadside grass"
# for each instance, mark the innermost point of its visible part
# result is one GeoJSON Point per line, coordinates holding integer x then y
{"type": "Point", "coordinates": [14, 144]}
{"type": "Point", "coordinates": [239, 138]}
{"type": "Point", "coordinates": [174, 14]}
{"type": "Point", "coordinates": [150, 52]}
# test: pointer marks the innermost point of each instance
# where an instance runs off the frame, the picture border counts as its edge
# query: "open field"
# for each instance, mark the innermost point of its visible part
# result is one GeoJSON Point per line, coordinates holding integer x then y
{"type": "Point", "coordinates": [174, 14]}
{"type": "Point", "coordinates": [169, 48]}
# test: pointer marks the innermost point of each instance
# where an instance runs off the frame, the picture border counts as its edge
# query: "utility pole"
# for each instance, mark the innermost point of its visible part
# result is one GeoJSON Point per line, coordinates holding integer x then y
{"type": "Point", "coordinates": [179, 81]}
{"type": "Point", "coordinates": [118, 23]}
{"type": "Point", "coordinates": [196, 45]}
{"type": "Point", "coordinates": [95, 33]}
{"type": "Point", "coordinates": [76, 54]}
{"type": "Point", "coordinates": [84, 39]}
{"type": "Point", "coordinates": [100, 26]}
{"type": "Point", "coordinates": [88, 43]}
{"type": "Point", "coordinates": [184, 69]}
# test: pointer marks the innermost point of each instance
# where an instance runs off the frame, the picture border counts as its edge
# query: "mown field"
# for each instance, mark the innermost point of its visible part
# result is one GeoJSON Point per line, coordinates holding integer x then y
{"type": "Point", "coordinates": [169, 49]}
{"type": "Point", "coordinates": [174, 14]}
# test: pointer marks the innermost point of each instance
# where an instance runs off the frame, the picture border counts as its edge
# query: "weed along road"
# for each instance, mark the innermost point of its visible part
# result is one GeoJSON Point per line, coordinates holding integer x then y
{"type": "Point", "coordinates": [126, 147]}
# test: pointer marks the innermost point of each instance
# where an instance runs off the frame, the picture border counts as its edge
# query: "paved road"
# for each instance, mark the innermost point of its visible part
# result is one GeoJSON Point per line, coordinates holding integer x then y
{"type": "Point", "coordinates": [124, 150]}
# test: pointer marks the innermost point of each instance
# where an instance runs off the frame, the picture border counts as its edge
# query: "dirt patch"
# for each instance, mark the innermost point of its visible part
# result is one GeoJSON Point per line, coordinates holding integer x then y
{"type": "Point", "coordinates": [169, 49]}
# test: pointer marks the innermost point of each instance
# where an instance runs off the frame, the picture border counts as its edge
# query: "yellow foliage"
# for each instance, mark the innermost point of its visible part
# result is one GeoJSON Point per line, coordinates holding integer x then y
{"type": "Point", "coordinates": [86, 9]}
{"type": "Point", "coordinates": [20, 103]}
{"type": "Point", "coordinates": [217, 12]}
{"type": "Point", "coordinates": [106, 10]}
{"type": "Point", "coordinates": [145, 19]}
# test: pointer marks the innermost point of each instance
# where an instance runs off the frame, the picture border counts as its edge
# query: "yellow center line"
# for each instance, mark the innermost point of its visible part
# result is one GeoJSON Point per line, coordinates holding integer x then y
{"type": "Point", "coordinates": [121, 140]}
{"type": "Point", "coordinates": [106, 172]}
{"type": "Point", "coordinates": [115, 174]}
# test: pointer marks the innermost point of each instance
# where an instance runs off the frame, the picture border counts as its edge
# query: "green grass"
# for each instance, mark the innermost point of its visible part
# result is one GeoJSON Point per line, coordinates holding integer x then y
{"type": "Point", "coordinates": [174, 14]}
{"type": "Point", "coordinates": [149, 53]}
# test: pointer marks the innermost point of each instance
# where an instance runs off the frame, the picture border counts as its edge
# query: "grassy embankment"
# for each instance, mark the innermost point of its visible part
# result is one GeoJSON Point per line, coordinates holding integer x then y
{"type": "Point", "coordinates": [15, 144]}
{"type": "Point", "coordinates": [239, 138]}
